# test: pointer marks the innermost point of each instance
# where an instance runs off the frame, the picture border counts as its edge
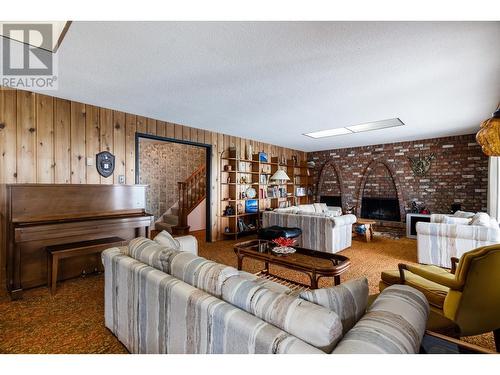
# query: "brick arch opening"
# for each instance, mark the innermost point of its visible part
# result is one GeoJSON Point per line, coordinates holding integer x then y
{"type": "Point", "coordinates": [330, 183]}
{"type": "Point", "coordinates": [380, 193]}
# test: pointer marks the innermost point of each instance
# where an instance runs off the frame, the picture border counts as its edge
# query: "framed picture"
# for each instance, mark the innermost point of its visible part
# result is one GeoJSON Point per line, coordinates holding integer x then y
{"type": "Point", "coordinates": [263, 157]}
{"type": "Point", "coordinates": [251, 206]}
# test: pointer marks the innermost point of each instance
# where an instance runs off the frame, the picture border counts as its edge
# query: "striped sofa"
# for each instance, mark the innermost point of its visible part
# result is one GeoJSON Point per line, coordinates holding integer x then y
{"type": "Point", "coordinates": [446, 236]}
{"type": "Point", "coordinates": [161, 300]}
{"type": "Point", "coordinates": [329, 234]}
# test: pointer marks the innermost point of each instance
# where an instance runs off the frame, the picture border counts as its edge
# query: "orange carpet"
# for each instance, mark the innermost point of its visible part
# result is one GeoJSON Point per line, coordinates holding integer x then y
{"type": "Point", "coordinates": [72, 321]}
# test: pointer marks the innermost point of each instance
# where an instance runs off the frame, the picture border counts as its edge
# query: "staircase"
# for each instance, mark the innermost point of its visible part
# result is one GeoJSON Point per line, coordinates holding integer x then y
{"type": "Point", "coordinates": [192, 192]}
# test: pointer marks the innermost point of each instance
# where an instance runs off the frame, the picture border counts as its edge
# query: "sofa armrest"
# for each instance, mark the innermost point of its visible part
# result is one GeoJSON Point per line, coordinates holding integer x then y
{"type": "Point", "coordinates": [395, 323]}
{"type": "Point", "coordinates": [188, 243]}
{"type": "Point", "coordinates": [344, 220]}
{"type": "Point", "coordinates": [112, 252]}
{"type": "Point", "coordinates": [431, 273]}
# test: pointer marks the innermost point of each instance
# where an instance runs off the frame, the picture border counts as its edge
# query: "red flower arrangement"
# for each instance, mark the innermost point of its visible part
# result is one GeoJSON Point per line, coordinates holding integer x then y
{"type": "Point", "coordinates": [284, 242]}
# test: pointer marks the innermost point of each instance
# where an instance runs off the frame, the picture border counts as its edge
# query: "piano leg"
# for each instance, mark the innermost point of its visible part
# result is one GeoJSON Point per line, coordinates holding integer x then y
{"type": "Point", "coordinates": [16, 294]}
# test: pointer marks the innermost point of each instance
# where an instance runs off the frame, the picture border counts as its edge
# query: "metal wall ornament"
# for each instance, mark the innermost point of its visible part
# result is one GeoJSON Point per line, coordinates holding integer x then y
{"type": "Point", "coordinates": [105, 163]}
{"type": "Point", "coordinates": [420, 165]}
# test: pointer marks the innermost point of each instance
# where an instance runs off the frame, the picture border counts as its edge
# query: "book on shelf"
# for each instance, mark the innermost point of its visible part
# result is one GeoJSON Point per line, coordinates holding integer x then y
{"type": "Point", "coordinates": [300, 191]}
{"type": "Point", "coordinates": [276, 192]}
{"type": "Point", "coordinates": [264, 179]}
{"type": "Point", "coordinates": [262, 193]}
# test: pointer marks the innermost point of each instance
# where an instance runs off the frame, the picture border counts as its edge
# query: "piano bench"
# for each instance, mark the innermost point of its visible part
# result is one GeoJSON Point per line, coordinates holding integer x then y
{"type": "Point", "coordinates": [69, 250]}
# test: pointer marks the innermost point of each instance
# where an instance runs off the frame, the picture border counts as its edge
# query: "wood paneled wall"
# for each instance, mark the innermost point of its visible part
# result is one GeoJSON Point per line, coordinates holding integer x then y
{"type": "Point", "coordinates": [47, 140]}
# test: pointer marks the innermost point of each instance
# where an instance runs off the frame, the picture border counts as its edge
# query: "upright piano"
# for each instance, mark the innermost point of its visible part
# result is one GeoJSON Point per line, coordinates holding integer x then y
{"type": "Point", "coordinates": [39, 215]}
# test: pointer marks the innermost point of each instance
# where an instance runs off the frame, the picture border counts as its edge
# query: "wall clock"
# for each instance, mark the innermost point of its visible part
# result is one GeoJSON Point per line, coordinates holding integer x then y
{"type": "Point", "coordinates": [105, 163]}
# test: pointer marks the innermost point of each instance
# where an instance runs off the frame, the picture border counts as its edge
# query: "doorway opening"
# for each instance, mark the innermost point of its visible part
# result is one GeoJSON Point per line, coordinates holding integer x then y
{"type": "Point", "coordinates": [177, 173]}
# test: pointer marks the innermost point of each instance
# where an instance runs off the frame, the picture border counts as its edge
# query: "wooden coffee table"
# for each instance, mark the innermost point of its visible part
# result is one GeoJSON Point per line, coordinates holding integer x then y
{"type": "Point", "coordinates": [315, 264]}
{"type": "Point", "coordinates": [368, 235]}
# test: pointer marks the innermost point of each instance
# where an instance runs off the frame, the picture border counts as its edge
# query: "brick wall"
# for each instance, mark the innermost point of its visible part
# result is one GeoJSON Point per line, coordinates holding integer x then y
{"type": "Point", "coordinates": [161, 166]}
{"type": "Point", "coordinates": [459, 173]}
{"type": "Point", "coordinates": [379, 183]}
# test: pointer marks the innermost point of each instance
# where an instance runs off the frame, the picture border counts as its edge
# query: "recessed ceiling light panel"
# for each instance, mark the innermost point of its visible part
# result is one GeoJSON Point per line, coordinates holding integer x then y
{"type": "Point", "coordinates": [328, 133]}
{"type": "Point", "coordinates": [375, 125]}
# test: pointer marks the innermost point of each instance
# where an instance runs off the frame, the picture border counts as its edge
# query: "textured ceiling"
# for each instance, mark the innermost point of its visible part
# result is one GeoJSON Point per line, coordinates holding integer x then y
{"type": "Point", "coordinates": [273, 81]}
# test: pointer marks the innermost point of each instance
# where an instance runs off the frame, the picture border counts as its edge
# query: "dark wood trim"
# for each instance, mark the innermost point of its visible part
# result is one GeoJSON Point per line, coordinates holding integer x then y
{"type": "Point", "coordinates": [454, 262]}
{"type": "Point", "coordinates": [61, 37]}
{"type": "Point", "coordinates": [402, 267]}
{"type": "Point", "coordinates": [460, 343]}
{"type": "Point", "coordinates": [208, 171]}
{"type": "Point", "coordinates": [496, 336]}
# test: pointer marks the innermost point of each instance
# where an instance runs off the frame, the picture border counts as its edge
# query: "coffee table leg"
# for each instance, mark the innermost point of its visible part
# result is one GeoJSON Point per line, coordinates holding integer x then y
{"type": "Point", "coordinates": [336, 280]}
{"type": "Point", "coordinates": [314, 281]}
{"type": "Point", "coordinates": [55, 264]}
{"type": "Point", "coordinates": [240, 262]}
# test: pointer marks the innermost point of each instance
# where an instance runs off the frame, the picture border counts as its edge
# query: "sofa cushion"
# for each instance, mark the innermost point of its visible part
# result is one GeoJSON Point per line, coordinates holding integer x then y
{"type": "Point", "coordinates": [465, 214]}
{"type": "Point", "coordinates": [199, 272]}
{"type": "Point", "coordinates": [395, 323]}
{"type": "Point", "coordinates": [151, 253]}
{"type": "Point", "coordinates": [196, 271]}
{"type": "Point", "coordinates": [348, 300]}
{"type": "Point", "coordinates": [311, 323]}
{"type": "Point", "coordinates": [434, 292]}
{"type": "Point", "coordinates": [337, 211]}
{"type": "Point", "coordinates": [320, 207]}
{"type": "Point", "coordinates": [271, 285]}
{"type": "Point", "coordinates": [481, 218]}
{"type": "Point", "coordinates": [456, 220]}
{"type": "Point", "coordinates": [306, 208]}
{"type": "Point", "coordinates": [289, 210]}
{"type": "Point", "coordinates": [165, 239]}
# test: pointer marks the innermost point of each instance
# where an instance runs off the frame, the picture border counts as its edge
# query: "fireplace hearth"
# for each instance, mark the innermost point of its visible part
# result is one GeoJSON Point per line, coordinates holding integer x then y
{"type": "Point", "coordinates": [380, 209]}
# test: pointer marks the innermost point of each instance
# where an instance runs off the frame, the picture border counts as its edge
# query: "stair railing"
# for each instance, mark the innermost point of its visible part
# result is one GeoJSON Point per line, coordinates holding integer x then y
{"type": "Point", "coordinates": [191, 192]}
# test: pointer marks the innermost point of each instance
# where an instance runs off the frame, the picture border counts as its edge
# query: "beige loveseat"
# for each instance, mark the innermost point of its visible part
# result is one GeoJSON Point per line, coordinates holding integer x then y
{"type": "Point", "coordinates": [323, 228]}
{"type": "Point", "coordinates": [162, 300]}
{"type": "Point", "coordinates": [448, 236]}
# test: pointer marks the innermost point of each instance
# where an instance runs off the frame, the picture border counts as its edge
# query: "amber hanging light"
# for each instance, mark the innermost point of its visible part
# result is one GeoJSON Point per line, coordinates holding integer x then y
{"type": "Point", "coordinates": [488, 135]}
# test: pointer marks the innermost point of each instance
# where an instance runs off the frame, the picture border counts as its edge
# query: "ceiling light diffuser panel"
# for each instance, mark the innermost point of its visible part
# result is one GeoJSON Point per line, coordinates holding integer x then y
{"type": "Point", "coordinates": [368, 126]}
{"type": "Point", "coordinates": [375, 125]}
{"type": "Point", "coordinates": [328, 133]}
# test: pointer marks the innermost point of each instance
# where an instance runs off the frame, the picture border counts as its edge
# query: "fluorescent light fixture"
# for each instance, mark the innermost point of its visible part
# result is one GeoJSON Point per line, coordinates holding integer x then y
{"type": "Point", "coordinates": [20, 31]}
{"type": "Point", "coordinates": [375, 125]}
{"type": "Point", "coordinates": [328, 133]}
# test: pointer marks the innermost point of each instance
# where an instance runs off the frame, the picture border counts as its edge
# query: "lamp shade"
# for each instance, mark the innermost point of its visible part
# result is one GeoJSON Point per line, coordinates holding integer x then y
{"type": "Point", "coordinates": [488, 135]}
{"type": "Point", "coordinates": [280, 175]}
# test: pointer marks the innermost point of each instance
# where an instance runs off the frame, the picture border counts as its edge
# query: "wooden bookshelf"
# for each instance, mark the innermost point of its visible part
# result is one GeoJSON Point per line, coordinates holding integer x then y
{"type": "Point", "coordinates": [237, 175]}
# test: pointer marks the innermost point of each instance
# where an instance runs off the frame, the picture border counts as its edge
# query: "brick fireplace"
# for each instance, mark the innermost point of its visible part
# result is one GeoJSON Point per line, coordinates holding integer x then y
{"type": "Point", "coordinates": [378, 180]}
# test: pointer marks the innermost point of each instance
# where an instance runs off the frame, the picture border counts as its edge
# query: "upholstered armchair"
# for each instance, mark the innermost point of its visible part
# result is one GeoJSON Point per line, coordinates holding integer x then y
{"type": "Point", "coordinates": [468, 296]}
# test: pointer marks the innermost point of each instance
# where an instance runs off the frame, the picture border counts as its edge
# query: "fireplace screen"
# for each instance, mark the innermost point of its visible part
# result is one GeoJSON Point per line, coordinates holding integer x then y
{"type": "Point", "coordinates": [380, 209]}
{"type": "Point", "coordinates": [334, 200]}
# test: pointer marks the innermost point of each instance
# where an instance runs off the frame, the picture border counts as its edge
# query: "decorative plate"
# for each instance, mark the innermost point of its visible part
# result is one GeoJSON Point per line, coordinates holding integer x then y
{"type": "Point", "coordinates": [251, 193]}
{"type": "Point", "coordinates": [283, 250]}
